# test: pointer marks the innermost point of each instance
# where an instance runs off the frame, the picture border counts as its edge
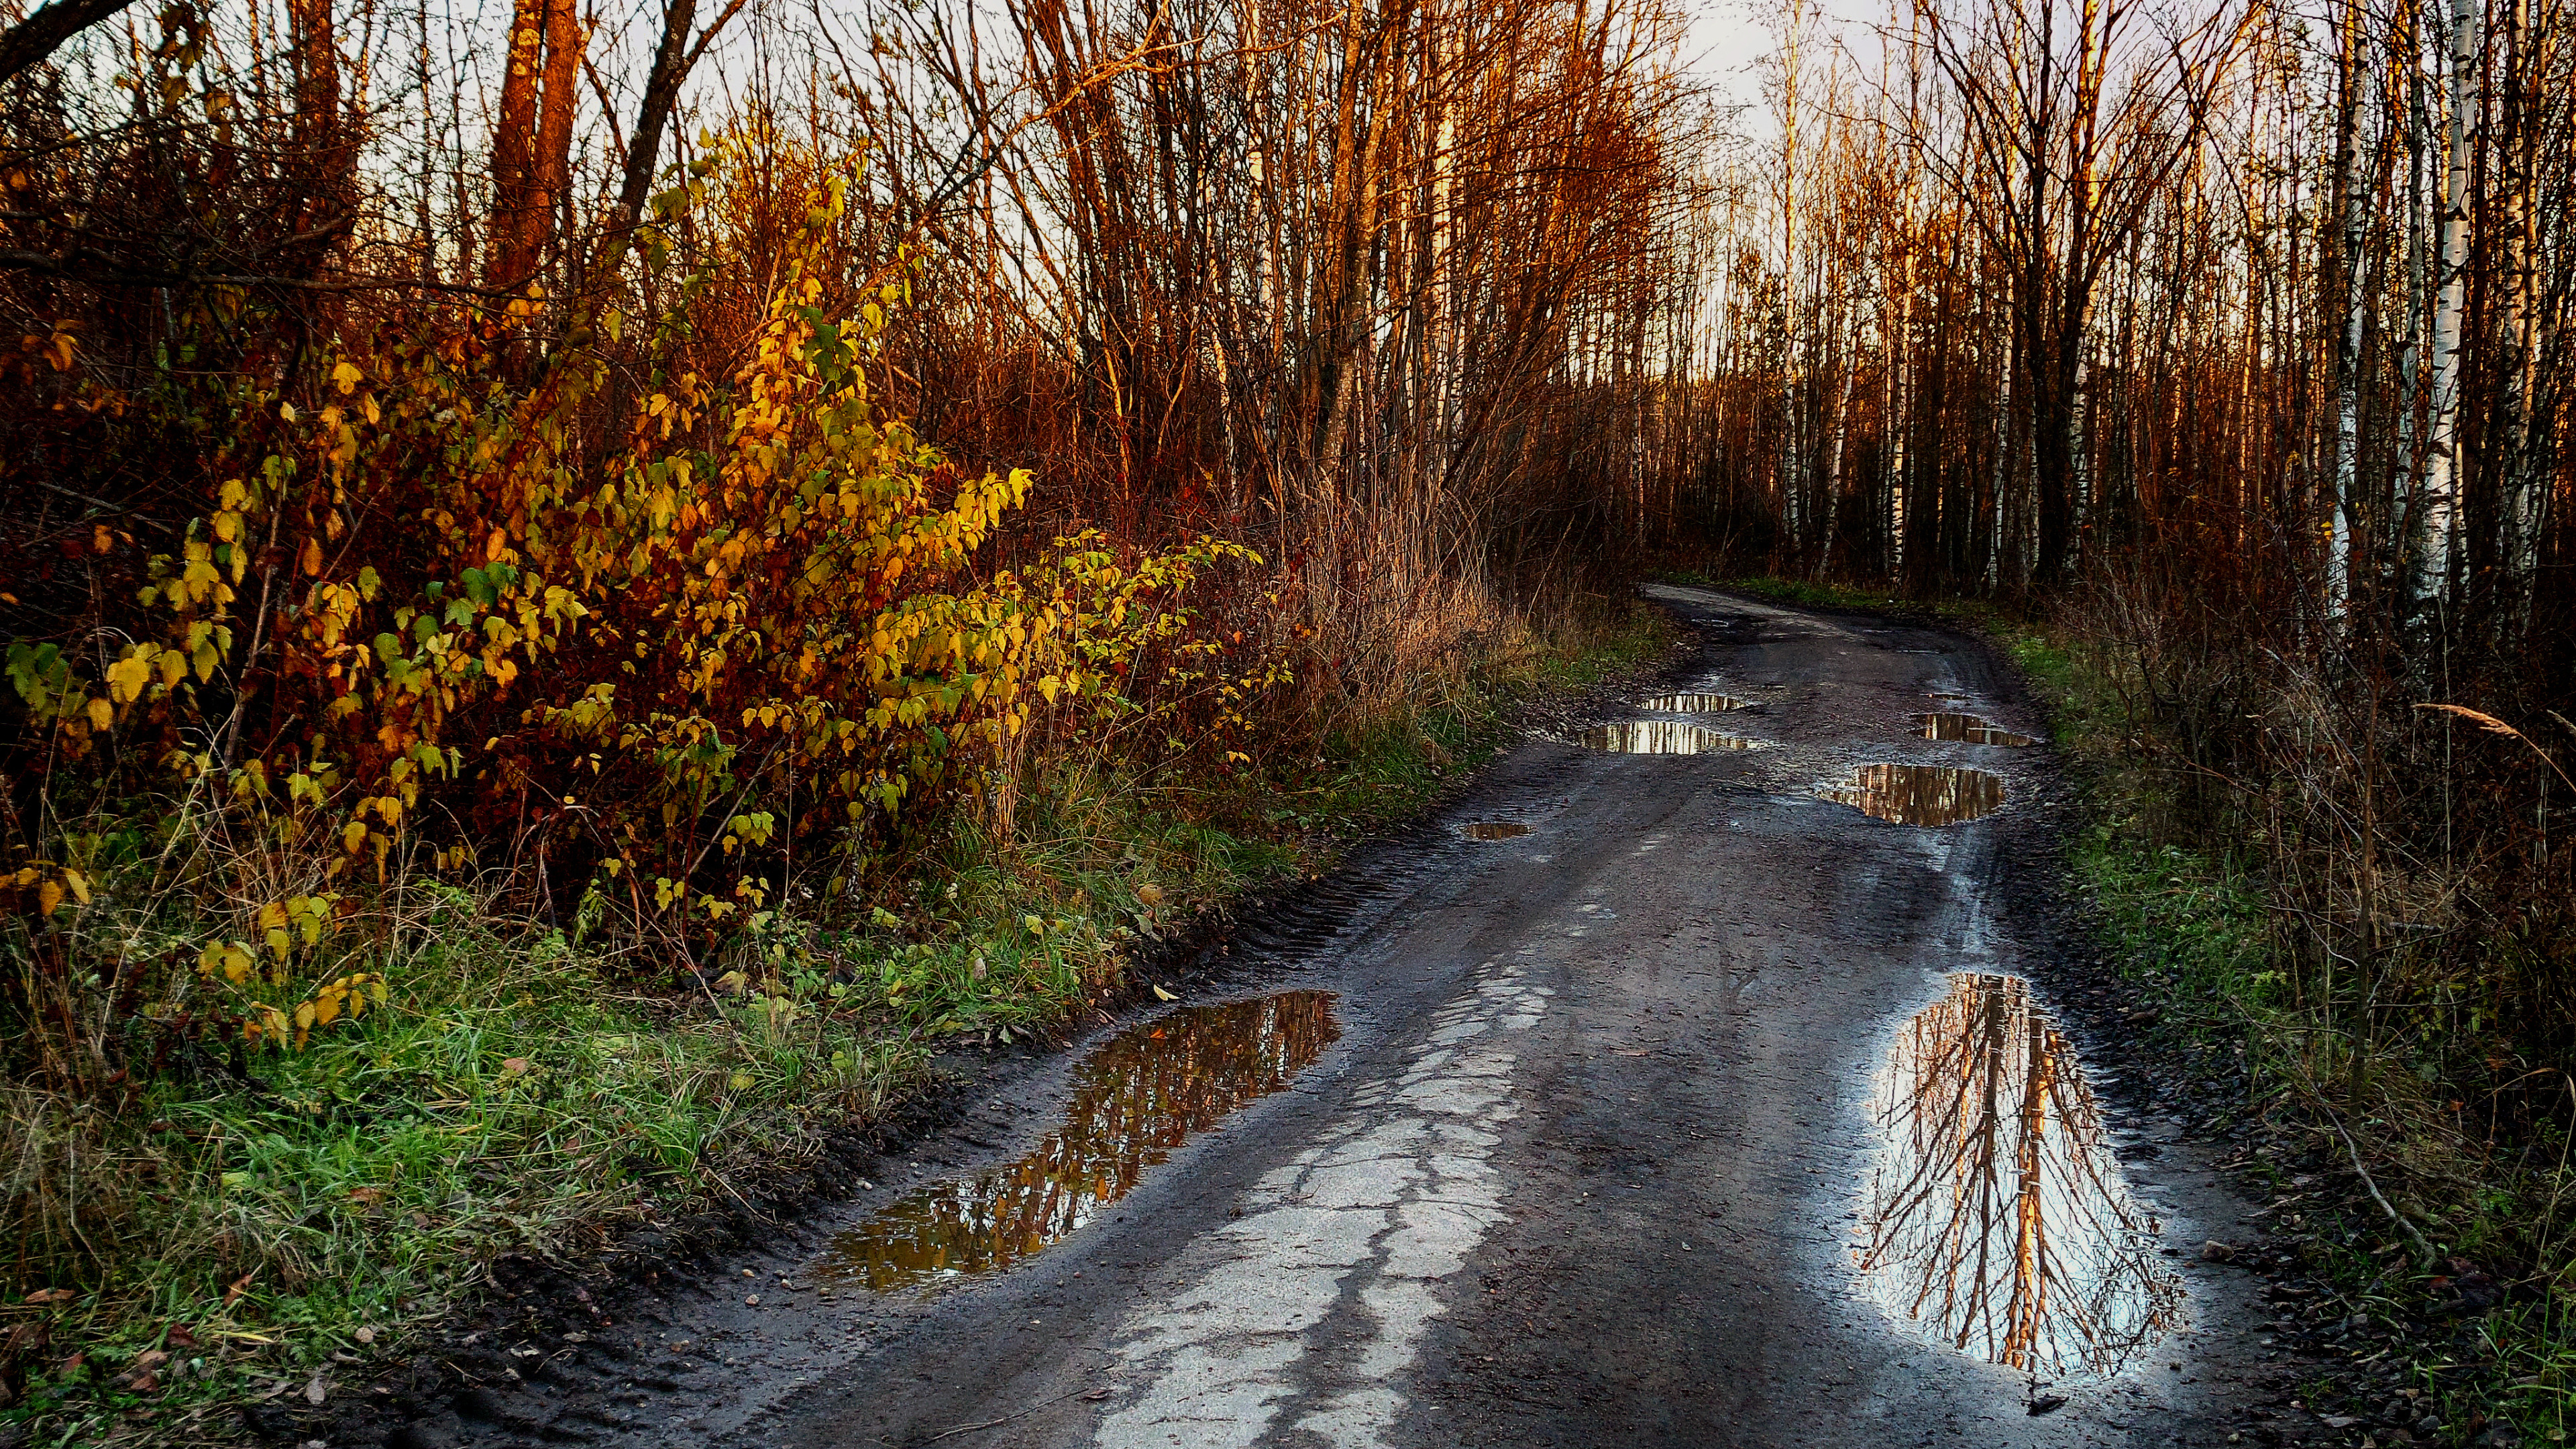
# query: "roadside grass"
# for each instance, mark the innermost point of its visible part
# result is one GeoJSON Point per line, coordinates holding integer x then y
{"type": "Point", "coordinates": [224, 1237]}
{"type": "Point", "coordinates": [260, 1227]}
{"type": "Point", "coordinates": [2189, 914]}
{"type": "Point", "coordinates": [1389, 762]}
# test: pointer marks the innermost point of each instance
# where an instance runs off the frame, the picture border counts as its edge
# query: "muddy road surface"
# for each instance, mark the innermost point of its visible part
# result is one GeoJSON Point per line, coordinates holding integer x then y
{"type": "Point", "coordinates": [1700, 1080]}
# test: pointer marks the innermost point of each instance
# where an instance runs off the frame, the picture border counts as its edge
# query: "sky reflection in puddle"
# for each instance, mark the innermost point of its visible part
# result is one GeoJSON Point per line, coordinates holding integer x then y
{"type": "Point", "coordinates": [1661, 737]}
{"type": "Point", "coordinates": [1136, 1098]}
{"type": "Point", "coordinates": [1997, 1222]}
{"type": "Point", "coordinates": [1919, 794]}
{"type": "Point", "coordinates": [1494, 830]}
{"type": "Point", "coordinates": [1692, 703]}
{"type": "Point", "coordinates": [1951, 725]}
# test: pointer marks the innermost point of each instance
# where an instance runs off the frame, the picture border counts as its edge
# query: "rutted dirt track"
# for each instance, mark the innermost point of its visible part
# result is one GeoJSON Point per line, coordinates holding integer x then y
{"type": "Point", "coordinates": [1595, 1158]}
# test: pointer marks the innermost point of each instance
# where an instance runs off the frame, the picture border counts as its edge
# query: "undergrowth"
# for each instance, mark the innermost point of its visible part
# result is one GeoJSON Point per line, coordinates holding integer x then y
{"type": "Point", "coordinates": [2196, 916]}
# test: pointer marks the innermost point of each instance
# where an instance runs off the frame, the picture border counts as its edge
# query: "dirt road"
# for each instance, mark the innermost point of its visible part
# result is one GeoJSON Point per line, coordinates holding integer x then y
{"type": "Point", "coordinates": [1709, 1110]}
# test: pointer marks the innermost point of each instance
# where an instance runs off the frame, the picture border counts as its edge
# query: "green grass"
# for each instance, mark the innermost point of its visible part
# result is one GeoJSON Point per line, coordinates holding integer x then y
{"type": "Point", "coordinates": [1397, 759]}
{"type": "Point", "coordinates": [528, 1090]}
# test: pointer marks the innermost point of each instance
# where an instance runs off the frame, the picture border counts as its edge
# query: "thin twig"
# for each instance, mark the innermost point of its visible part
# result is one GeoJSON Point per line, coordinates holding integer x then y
{"type": "Point", "coordinates": [2422, 1248]}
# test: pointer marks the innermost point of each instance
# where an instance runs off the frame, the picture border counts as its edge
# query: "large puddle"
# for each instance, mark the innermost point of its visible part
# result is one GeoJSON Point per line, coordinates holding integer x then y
{"type": "Point", "coordinates": [1951, 725]}
{"type": "Point", "coordinates": [1997, 1222]}
{"type": "Point", "coordinates": [1136, 1098]}
{"type": "Point", "coordinates": [1692, 703]}
{"type": "Point", "coordinates": [1919, 794]}
{"type": "Point", "coordinates": [1662, 737]}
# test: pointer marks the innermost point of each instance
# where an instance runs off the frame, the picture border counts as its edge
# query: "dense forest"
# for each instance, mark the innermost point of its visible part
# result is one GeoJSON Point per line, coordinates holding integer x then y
{"type": "Point", "coordinates": [626, 510]}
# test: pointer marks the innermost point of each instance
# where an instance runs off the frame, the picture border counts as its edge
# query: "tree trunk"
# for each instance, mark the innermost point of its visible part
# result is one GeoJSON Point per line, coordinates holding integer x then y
{"type": "Point", "coordinates": [661, 96]}
{"type": "Point", "coordinates": [2435, 563]}
{"type": "Point", "coordinates": [2345, 298]}
{"type": "Point", "coordinates": [514, 139]}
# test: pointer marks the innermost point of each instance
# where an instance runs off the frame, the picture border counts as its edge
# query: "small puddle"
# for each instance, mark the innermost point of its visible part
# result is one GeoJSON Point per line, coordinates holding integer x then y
{"type": "Point", "coordinates": [1494, 830]}
{"type": "Point", "coordinates": [1661, 737]}
{"type": "Point", "coordinates": [1919, 794]}
{"type": "Point", "coordinates": [1136, 1099]}
{"type": "Point", "coordinates": [1951, 725]}
{"type": "Point", "coordinates": [1997, 1221]}
{"type": "Point", "coordinates": [1692, 703]}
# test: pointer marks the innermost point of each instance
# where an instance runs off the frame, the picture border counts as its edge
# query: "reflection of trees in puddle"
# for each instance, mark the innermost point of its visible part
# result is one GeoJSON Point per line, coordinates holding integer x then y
{"type": "Point", "coordinates": [1944, 724]}
{"type": "Point", "coordinates": [1135, 1099]}
{"type": "Point", "coordinates": [1692, 703]}
{"type": "Point", "coordinates": [1997, 1219]}
{"type": "Point", "coordinates": [1661, 737]}
{"type": "Point", "coordinates": [1919, 794]}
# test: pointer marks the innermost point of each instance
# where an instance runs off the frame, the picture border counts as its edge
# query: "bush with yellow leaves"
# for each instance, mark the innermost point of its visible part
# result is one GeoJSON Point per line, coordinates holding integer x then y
{"type": "Point", "coordinates": [446, 616]}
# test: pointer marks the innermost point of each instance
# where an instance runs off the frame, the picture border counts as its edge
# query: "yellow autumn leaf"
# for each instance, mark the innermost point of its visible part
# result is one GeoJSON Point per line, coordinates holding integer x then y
{"type": "Point", "coordinates": [353, 836]}
{"type": "Point", "coordinates": [49, 896]}
{"type": "Point", "coordinates": [1164, 995]}
{"type": "Point", "coordinates": [127, 677]}
{"type": "Point", "coordinates": [102, 715]}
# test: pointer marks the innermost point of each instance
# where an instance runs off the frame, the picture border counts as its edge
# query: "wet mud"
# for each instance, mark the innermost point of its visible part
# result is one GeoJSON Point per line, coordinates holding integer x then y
{"type": "Point", "coordinates": [1661, 737]}
{"type": "Point", "coordinates": [1919, 794]}
{"type": "Point", "coordinates": [1493, 830]}
{"type": "Point", "coordinates": [1997, 1221]}
{"type": "Point", "coordinates": [1136, 1099]}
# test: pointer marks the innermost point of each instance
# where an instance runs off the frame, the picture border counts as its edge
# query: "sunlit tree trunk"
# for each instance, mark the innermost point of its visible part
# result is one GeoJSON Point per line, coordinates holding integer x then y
{"type": "Point", "coordinates": [2521, 486]}
{"type": "Point", "coordinates": [2435, 557]}
{"type": "Point", "coordinates": [2352, 213]}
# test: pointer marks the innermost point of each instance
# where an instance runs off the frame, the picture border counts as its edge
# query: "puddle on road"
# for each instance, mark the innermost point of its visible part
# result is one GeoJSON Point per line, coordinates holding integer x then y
{"type": "Point", "coordinates": [1997, 1222]}
{"type": "Point", "coordinates": [1951, 725]}
{"type": "Point", "coordinates": [1919, 794]}
{"type": "Point", "coordinates": [1494, 829]}
{"type": "Point", "coordinates": [1692, 703]}
{"type": "Point", "coordinates": [1136, 1098]}
{"type": "Point", "coordinates": [1661, 737]}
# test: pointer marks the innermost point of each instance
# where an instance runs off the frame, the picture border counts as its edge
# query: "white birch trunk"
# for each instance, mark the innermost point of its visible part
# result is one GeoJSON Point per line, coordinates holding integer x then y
{"type": "Point", "coordinates": [2347, 445]}
{"type": "Point", "coordinates": [2434, 566]}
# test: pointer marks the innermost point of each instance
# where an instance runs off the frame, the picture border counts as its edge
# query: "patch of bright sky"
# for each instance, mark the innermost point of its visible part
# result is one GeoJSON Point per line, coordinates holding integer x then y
{"type": "Point", "coordinates": [1733, 47]}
